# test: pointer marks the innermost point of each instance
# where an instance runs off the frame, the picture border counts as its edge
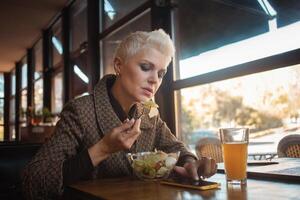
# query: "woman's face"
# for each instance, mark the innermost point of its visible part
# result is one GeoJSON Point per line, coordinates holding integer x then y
{"type": "Point", "coordinates": [142, 74]}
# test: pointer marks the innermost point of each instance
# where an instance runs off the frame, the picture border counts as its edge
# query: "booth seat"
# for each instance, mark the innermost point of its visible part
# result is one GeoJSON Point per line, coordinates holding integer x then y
{"type": "Point", "coordinates": [13, 158]}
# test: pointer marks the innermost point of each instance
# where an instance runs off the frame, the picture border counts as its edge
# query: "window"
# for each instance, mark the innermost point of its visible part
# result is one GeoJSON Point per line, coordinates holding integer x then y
{"type": "Point", "coordinates": [78, 24]}
{"type": "Point", "coordinates": [57, 63]}
{"type": "Point", "coordinates": [223, 29]}
{"type": "Point", "coordinates": [23, 116]}
{"type": "Point", "coordinates": [225, 38]}
{"type": "Point", "coordinates": [24, 73]}
{"type": "Point", "coordinates": [12, 111]}
{"type": "Point", "coordinates": [244, 101]}
{"type": "Point", "coordinates": [38, 78]}
{"type": "Point", "coordinates": [57, 93]}
{"type": "Point", "coordinates": [1, 107]}
{"type": "Point", "coordinates": [13, 82]}
{"type": "Point", "coordinates": [141, 23]}
{"type": "Point", "coordinates": [80, 74]}
{"type": "Point", "coordinates": [38, 96]}
{"type": "Point", "coordinates": [23, 93]}
{"type": "Point", "coordinates": [38, 56]}
{"type": "Point", "coordinates": [116, 9]}
{"type": "Point", "coordinates": [56, 39]}
{"type": "Point", "coordinates": [80, 69]}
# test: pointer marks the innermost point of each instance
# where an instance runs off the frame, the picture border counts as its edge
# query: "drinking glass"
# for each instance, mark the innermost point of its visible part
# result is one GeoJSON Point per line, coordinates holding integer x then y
{"type": "Point", "coordinates": [235, 152]}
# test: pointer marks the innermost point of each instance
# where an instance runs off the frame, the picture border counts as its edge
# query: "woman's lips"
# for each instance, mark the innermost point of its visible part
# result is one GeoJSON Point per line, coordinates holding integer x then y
{"type": "Point", "coordinates": [148, 92]}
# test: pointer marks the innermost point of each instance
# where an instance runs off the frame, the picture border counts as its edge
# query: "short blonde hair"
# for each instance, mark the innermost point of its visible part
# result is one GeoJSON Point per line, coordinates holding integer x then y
{"type": "Point", "coordinates": [142, 40]}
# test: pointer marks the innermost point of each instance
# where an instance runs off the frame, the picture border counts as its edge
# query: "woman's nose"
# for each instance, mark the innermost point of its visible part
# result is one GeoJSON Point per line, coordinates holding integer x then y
{"type": "Point", "coordinates": [153, 78]}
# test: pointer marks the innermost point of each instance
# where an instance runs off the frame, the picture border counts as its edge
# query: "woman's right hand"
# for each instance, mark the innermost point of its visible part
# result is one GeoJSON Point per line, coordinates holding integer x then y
{"type": "Point", "coordinates": [118, 139]}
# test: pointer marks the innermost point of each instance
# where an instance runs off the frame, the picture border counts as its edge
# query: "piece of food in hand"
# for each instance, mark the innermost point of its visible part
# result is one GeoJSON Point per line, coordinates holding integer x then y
{"type": "Point", "coordinates": [152, 107]}
{"type": "Point", "coordinates": [150, 104]}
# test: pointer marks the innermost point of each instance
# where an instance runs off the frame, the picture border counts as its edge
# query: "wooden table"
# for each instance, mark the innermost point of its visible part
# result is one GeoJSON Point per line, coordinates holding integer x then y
{"type": "Point", "coordinates": [132, 189]}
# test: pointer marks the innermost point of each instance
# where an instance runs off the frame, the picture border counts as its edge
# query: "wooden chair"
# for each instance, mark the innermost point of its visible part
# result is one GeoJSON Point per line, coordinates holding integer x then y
{"type": "Point", "coordinates": [289, 146]}
{"type": "Point", "coordinates": [210, 147]}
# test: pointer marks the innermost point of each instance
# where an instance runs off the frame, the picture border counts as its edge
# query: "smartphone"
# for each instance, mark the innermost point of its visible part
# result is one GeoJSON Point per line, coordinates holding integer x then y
{"type": "Point", "coordinates": [188, 183]}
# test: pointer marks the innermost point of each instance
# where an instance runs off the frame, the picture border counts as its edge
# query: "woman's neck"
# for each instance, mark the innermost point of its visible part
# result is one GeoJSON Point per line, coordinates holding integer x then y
{"type": "Point", "coordinates": [122, 99]}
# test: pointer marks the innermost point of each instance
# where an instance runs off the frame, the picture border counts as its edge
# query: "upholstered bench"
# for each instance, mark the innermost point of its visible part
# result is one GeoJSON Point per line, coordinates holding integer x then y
{"type": "Point", "coordinates": [13, 157]}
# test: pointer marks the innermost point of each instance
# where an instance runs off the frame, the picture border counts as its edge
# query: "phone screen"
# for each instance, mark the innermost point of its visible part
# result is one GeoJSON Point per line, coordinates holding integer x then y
{"type": "Point", "coordinates": [188, 183]}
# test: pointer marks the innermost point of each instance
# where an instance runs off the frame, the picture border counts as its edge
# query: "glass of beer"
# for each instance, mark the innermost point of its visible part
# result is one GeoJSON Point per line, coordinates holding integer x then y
{"type": "Point", "coordinates": [235, 152]}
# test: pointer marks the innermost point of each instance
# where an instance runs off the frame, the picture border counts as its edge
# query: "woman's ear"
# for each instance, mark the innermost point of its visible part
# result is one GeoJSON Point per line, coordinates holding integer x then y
{"type": "Point", "coordinates": [117, 65]}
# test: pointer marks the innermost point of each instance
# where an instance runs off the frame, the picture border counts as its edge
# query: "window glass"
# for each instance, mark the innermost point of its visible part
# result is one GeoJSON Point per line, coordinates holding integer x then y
{"type": "Point", "coordinates": [270, 110]}
{"type": "Point", "coordinates": [80, 76]}
{"type": "Point", "coordinates": [56, 39]}
{"type": "Point", "coordinates": [1, 133]}
{"type": "Point", "coordinates": [78, 24]}
{"type": "Point", "coordinates": [1, 85]}
{"type": "Point", "coordinates": [12, 112]}
{"type": "Point", "coordinates": [23, 105]}
{"type": "Point", "coordinates": [12, 132]}
{"type": "Point", "coordinates": [1, 111]}
{"type": "Point", "coordinates": [116, 9]}
{"type": "Point", "coordinates": [1, 107]}
{"type": "Point", "coordinates": [24, 75]}
{"type": "Point", "coordinates": [108, 44]}
{"type": "Point", "coordinates": [212, 32]}
{"type": "Point", "coordinates": [13, 82]}
{"type": "Point", "coordinates": [38, 57]}
{"type": "Point", "coordinates": [38, 96]}
{"type": "Point", "coordinates": [80, 80]}
{"type": "Point", "coordinates": [57, 93]}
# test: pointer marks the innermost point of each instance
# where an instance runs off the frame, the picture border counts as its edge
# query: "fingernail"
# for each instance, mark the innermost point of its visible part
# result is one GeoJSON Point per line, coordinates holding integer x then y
{"type": "Point", "coordinates": [126, 120]}
{"type": "Point", "coordinates": [196, 178]}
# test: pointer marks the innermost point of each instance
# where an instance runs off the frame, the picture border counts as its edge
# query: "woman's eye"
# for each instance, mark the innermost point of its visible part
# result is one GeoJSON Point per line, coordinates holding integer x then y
{"type": "Point", "coordinates": [145, 67]}
{"type": "Point", "coordinates": [161, 74]}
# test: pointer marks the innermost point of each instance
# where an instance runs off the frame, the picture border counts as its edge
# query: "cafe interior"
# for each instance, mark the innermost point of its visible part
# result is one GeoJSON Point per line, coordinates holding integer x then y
{"type": "Point", "coordinates": [237, 64]}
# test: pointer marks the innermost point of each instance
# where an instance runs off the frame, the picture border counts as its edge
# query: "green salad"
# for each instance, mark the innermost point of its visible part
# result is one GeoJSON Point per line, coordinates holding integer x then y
{"type": "Point", "coordinates": [153, 164]}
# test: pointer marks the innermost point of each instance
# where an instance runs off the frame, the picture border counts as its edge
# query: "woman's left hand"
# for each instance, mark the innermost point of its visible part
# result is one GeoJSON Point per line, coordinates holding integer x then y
{"type": "Point", "coordinates": [202, 168]}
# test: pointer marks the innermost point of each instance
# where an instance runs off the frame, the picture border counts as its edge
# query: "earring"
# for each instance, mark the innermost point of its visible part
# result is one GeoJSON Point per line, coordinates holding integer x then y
{"type": "Point", "coordinates": [117, 73]}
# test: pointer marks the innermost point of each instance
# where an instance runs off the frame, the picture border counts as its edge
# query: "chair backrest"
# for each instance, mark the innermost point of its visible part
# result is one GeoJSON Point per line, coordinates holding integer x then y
{"type": "Point", "coordinates": [289, 146]}
{"type": "Point", "coordinates": [210, 147]}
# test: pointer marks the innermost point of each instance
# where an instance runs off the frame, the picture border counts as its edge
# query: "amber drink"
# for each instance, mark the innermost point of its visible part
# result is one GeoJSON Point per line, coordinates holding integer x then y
{"type": "Point", "coordinates": [235, 152]}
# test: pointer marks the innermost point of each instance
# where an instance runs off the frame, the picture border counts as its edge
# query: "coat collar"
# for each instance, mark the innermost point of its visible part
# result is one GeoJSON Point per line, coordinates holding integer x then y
{"type": "Point", "coordinates": [106, 117]}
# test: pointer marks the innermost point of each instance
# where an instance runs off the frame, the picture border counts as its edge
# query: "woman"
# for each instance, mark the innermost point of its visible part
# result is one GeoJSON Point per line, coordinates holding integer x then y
{"type": "Point", "coordinates": [94, 133]}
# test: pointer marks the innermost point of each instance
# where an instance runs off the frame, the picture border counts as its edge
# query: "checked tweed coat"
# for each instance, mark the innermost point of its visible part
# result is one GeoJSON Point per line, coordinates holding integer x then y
{"type": "Point", "coordinates": [84, 121]}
